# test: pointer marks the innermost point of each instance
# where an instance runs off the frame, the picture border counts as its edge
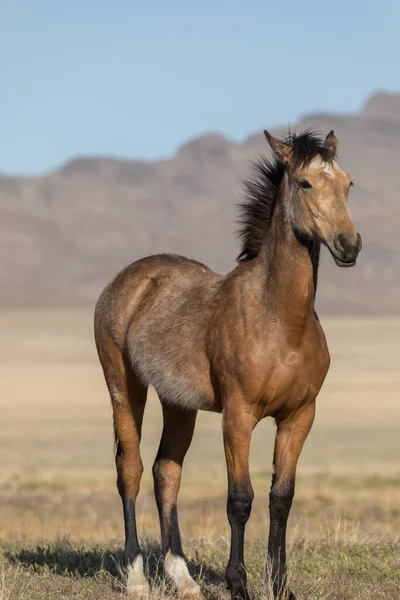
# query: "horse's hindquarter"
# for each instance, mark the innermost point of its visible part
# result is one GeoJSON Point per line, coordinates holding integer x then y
{"type": "Point", "coordinates": [166, 325]}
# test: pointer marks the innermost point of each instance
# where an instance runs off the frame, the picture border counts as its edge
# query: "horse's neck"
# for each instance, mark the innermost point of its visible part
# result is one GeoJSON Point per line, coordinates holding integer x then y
{"type": "Point", "coordinates": [288, 272]}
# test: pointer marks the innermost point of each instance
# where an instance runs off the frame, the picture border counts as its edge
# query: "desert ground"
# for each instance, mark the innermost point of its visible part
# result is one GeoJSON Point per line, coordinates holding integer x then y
{"type": "Point", "coordinates": [61, 529]}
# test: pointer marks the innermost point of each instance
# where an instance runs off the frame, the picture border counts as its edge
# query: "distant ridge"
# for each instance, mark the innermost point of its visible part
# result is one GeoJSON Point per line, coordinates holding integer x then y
{"type": "Point", "coordinates": [63, 235]}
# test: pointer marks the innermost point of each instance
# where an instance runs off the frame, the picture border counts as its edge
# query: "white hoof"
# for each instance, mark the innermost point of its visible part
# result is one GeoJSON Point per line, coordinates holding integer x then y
{"type": "Point", "coordinates": [137, 584]}
{"type": "Point", "coordinates": [139, 591]}
{"type": "Point", "coordinates": [177, 571]}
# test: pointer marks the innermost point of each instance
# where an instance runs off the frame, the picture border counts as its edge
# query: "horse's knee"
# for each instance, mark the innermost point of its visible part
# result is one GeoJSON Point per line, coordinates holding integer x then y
{"type": "Point", "coordinates": [129, 472]}
{"type": "Point", "coordinates": [165, 479]}
{"type": "Point", "coordinates": [239, 503]}
{"type": "Point", "coordinates": [280, 501]}
{"type": "Point", "coordinates": [160, 473]}
{"type": "Point", "coordinates": [166, 474]}
{"type": "Point", "coordinates": [157, 470]}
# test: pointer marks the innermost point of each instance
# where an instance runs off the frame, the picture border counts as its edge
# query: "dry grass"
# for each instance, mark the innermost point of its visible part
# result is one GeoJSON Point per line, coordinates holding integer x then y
{"type": "Point", "coordinates": [60, 517]}
{"type": "Point", "coordinates": [330, 569]}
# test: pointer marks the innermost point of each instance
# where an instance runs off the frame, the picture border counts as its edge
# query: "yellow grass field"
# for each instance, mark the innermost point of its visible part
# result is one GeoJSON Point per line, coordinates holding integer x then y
{"type": "Point", "coordinates": [59, 509]}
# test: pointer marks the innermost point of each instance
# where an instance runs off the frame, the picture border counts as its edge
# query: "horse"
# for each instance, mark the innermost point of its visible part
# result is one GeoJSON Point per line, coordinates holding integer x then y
{"type": "Point", "coordinates": [247, 344]}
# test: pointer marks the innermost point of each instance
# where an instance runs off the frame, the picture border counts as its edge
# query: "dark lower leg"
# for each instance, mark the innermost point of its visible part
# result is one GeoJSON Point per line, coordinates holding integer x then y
{"type": "Point", "coordinates": [240, 498]}
{"type": "Point", "coordinates": [176, 438]}
{"type": "Point", "coordinates": [237, 427]}
{"type": "Point", "coordinates": [170, 534]}
{"type": "Point", "coordinates": [128, 496]}
{"type": "Point", "coordinates": [128, 415]}
{"type": "Point", "coordinates": [129, 470]}
{"type": "Point", "coordinates": [290, 437]}
{"type": "Point", "coordinates": [280, 502]}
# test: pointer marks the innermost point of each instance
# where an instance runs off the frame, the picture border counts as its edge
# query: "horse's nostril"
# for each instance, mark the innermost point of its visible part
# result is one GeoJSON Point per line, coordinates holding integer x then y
{"type": "Point", "coordinates": [340, 242]}
{"type": "Point", "coordinates": [344, 244]}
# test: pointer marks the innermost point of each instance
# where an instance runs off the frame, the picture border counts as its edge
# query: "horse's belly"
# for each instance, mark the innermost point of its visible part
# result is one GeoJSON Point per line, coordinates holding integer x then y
{"type": "Point", "coordinates": [182, 392]}
{"type": "Point", "coordinates": [181, 382]}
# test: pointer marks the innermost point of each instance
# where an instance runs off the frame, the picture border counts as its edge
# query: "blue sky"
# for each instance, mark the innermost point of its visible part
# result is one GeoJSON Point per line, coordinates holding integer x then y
{"type": "Point", "coordinates": [137, 79]}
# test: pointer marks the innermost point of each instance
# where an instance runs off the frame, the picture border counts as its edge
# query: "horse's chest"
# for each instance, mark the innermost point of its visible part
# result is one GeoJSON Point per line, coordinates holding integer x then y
{"type": "Point", "coordinates": [294, 377]}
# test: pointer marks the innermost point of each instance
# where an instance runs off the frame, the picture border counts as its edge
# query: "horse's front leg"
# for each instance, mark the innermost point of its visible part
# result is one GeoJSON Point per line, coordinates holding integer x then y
{"type": "Point", "coordinates": [290, 437]}
{"type": "Point", "coordinates": [238, 425]}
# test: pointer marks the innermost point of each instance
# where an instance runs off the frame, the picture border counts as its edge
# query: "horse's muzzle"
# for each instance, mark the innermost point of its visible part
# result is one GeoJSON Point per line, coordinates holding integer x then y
{"type": "Point", "coordinates": [345, 249]}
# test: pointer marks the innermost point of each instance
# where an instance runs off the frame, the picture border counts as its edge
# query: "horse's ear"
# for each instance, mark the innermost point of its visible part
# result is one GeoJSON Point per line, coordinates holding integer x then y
{"type": "Point", "coordinates": [279, 147]}
{"type": "Point", "coordinates": [331, 143]}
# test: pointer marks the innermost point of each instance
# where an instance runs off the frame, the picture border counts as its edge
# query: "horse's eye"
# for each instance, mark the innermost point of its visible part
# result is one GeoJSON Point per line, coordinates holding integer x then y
{"type": "Point", "coordinates": [351, 184]}
{"type": "Point", "coordinates": [305, 184]}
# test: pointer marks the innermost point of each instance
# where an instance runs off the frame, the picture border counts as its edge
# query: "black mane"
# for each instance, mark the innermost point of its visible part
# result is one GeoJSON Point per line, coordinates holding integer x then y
{"type": "Point", "coordinates": [261, 188]}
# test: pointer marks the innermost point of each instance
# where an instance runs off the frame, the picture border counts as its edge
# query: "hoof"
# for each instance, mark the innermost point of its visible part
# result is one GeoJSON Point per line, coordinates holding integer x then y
{"type": "Point", "coordinates": [240, 593]}
{"type": "Point", "coordinates": [190, 591]}
{"type": "Point", "coordinates": [283, 594]}
{"type": "Point", "coordinates": [139, 591]}
{"type": "Point", "coordinates": [286, 595]}
{"type": "Point", "coordinates": [188, 588]}
{"type": "Point", "coordinates": [137, 585]}
{"type": "Point", "coordinates": [177, 573]}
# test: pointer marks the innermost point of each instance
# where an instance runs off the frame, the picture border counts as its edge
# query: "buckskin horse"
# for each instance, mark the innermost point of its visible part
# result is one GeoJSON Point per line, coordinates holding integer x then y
{"type": "Point", "coordinates": [247, 344]}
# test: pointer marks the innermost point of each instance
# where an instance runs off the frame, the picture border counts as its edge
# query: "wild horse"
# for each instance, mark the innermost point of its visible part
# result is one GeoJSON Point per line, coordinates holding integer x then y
{"type": "Point", "coordinates": [247, 344]}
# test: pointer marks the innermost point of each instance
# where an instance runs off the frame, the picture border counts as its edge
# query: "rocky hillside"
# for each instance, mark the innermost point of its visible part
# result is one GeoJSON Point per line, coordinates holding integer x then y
{"type": "Point", "coordinates": [64, 234]}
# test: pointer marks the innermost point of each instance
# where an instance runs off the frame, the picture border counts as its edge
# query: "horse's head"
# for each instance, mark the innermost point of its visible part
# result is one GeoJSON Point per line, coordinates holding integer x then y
{"type": "Point", "coordinates": [318, 192]}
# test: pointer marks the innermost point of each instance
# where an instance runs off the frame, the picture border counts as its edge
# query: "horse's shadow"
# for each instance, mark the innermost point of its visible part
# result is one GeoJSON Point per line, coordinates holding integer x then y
{"type": "Point", "coordinates": [65, 559]}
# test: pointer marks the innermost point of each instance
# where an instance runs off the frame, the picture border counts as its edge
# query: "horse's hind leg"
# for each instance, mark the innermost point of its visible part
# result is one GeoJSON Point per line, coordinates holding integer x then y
{"type": "Point", "coordinates": [128, 398]}
{"type": "Point", "coordinates": [175, 441]}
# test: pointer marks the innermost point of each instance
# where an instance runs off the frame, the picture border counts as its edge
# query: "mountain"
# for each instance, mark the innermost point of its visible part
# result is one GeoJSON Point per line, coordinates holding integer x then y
{"type": "Point", "coordinates": [65, 234]}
